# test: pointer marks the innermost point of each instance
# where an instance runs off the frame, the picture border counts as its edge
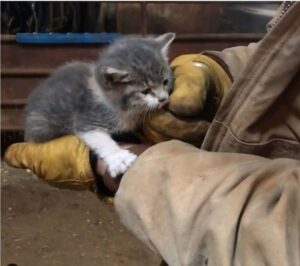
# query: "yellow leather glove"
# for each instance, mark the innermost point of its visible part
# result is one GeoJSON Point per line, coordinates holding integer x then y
{"type": "Point", "coordinates": [200, 85]}
{"type": "Point", "coordinates": [63, 162]}
{"type": "Point", "coordinates": [66, 163]}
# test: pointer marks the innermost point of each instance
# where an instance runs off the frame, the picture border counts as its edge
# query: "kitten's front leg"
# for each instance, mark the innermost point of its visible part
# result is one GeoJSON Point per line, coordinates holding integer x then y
{"type": "Point", "coordinates": [118, 160]}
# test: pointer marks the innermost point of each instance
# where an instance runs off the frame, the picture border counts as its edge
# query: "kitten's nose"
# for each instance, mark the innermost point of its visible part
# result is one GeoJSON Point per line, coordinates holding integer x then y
{"type": "Point", "coordinates": [163, 99]}
{"type": "Point", "coordinates": [163, 102]}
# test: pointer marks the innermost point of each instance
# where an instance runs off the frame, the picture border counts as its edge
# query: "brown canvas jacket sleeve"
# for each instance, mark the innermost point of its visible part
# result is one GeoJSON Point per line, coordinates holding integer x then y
{"type": "Point", "coordinates": [234, 58]}
{"type": "Point", "coordinates": [260, 114]}
{"type": "Point", "coordinates": [220, 209]}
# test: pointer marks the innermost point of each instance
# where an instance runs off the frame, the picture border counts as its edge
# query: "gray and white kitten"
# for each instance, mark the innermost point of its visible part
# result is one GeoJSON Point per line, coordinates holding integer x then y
{"type": "Point", "coordinates": [94, 101]}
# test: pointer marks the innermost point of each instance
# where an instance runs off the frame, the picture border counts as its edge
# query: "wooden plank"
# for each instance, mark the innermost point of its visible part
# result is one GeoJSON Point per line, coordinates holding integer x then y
{"type": "Point", "coordinates": [18, 87]}
{"type": "Point", "coordinates": [25, 72]}
{"type": "Point", "coordinates": [50, 56]}
{"type": "Point", "coordinates": [13, 103]}
{"type": "Point", "coordinates": [45, 56]}
{"type": "Point", "coordinates": [220, 37]}
{"type": "Point", "coordinates": [7, 38]}
{"type": "Point", "coordinates": [12, 119]}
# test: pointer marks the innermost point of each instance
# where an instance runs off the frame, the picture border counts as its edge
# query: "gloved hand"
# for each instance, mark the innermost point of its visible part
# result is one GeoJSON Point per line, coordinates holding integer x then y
{"type": "Point", "coordinates": [200, 85]}
{"type": "Point", "coordinates": [63, 162]}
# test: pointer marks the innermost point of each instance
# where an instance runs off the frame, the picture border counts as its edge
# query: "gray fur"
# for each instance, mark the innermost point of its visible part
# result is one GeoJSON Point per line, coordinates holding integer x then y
{"type": "Point", "coordinates": [81, 97]}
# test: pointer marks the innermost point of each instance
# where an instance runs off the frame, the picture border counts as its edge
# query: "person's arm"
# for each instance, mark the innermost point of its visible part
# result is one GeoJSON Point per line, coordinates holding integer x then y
{"type": "Point", "coordinates": [201, 83]}
{"type": "Point", "coordinates": [202, 208]}
{"type": "Point", "coordinates": [234, 58]}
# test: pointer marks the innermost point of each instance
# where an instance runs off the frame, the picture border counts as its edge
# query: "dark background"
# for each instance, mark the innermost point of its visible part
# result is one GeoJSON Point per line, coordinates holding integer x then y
{"type": "Point", "coordinates": [202, 17]}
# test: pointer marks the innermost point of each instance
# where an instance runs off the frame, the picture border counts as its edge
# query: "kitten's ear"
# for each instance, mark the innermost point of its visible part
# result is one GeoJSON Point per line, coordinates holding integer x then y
{"type": "Point", "coordinates": [164, 41]}
{"type": "Point", "coordinates": [116, 75]}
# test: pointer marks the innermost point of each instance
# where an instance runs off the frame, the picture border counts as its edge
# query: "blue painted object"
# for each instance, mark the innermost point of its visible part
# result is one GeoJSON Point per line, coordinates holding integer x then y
{"type": "Point", "coordinates": [66, 38]}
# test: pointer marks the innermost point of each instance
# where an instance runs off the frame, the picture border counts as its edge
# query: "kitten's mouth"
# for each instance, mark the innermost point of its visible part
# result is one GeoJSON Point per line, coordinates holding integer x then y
{"type": "Point", "coordinates": [163, 105]}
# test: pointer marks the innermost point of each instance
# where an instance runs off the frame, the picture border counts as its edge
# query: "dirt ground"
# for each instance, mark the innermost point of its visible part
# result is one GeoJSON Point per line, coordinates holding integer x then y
{"type": "Point", "coordinates": [43, 226]}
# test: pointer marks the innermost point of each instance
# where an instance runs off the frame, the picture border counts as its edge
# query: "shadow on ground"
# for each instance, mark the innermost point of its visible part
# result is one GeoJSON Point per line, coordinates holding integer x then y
{"type": "Point", "coordinates": [45, 226]}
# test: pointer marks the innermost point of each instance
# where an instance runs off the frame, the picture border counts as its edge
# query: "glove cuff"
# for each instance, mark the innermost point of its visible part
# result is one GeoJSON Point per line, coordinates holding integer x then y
{"type": "Point", "coordinates": [98, 186]}
{"type": "Point", "coordinates": [222, 81]}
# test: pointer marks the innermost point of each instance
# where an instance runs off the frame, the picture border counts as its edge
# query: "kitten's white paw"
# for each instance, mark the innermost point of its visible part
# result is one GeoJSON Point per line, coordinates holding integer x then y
{"type": "Point", "coordinates": [119, 162]}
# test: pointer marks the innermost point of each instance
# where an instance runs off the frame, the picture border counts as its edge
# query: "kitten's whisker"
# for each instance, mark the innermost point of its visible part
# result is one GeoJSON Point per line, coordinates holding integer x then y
{"type": "Point", "coordinates": [145, 115]}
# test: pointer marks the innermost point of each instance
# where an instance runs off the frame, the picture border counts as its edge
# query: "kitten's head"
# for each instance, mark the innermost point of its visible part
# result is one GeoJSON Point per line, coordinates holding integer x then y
{"type": "Point", "coordinates": [134, 72]}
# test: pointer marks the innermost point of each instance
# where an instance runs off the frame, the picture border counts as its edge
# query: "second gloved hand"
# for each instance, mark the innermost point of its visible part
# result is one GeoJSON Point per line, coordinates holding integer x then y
{"type": "Point", "coordinates": [200, 85]}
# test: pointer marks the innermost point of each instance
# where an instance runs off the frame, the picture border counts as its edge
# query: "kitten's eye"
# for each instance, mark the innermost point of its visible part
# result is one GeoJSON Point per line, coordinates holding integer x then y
{"type": "Point", "coordinates": [165, 82]}
{"type": "Point", "coordinates": [146, 91]}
